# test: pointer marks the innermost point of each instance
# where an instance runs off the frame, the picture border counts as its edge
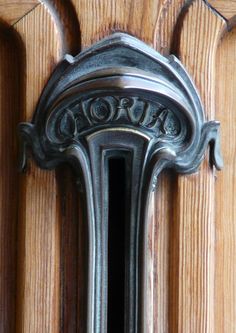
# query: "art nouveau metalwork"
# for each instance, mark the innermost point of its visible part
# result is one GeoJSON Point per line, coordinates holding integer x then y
{"type": "Point", "coordinates": [119, 98]}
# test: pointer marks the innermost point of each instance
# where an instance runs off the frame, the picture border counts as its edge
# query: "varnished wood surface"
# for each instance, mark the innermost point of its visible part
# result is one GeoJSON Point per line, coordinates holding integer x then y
{"type": "Point", "coordinates": [191, 240]}
{"type": "Point", "coordinates": [11, 11]}
{"type": "Point", "coordinates": [38, 275]}
{"type": "Point", "coordinates": [225, 190]}
{"type": "Point", "coordinates": [195, 206]}
{"type": "Point", "coordinates": [226, 8]}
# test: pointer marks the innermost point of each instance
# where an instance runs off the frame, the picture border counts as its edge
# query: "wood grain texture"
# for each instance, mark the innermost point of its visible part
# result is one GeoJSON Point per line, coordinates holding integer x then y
{"type": "Point", "coordinates": [166, 24]}
{"type": "Point", "coordinates": [185, 273]}
{"type": "Point", "coordinates": [225, 281]}
{"type": "Point", "coordinates": [10, 83]}
{"type": "Point", "coordinates": [39, 231]}
{"type": "Point", "coordinates": [198, 41]}
{"type": "Point", "coordinates": [143, 19]}
{"type": "Point", "coordinates": [11, 11]}
{"type": "Point", "coordinates": [161, 253]}
{"type": "Point", "coordinates": [226, 8]}
{"type": "Point", "coordinates": [51, 225]}
{"type": "Point", "coordinates": [66, 22]}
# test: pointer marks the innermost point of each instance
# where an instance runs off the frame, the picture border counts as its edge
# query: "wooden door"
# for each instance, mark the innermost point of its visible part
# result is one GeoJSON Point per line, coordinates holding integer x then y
{"type": "Point", "coordinates": [192, 232]}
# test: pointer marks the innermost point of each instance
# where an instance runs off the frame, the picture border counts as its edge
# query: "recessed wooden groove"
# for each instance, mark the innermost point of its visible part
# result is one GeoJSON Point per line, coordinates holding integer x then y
{"type": "Point", "coordinates": [66, 19]}
{"type": "Point", "coordinates": [11, 90]}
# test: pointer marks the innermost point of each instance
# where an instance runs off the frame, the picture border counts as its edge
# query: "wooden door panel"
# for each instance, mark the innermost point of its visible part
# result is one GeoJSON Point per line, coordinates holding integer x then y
{"type": "Point", "coordinates": [225, 247]}
{"type": "Point", "coordinates": [199, 36]}
{"type": "Point", "coordinates": [39, 231]}
{"type": "Point", "coordinates": [191, 239]}
{"type": "Point", "coordinates": [48, 274]}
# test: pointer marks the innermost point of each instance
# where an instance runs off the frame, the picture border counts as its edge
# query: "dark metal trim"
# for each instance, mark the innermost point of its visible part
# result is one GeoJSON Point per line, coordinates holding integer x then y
{"type": "Point", "coordinates": [119, 96]}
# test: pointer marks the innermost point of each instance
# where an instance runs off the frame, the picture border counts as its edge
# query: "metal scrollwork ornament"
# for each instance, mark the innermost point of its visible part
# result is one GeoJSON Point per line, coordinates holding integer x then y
{"type": "Point", "coordinates": [119, 98]}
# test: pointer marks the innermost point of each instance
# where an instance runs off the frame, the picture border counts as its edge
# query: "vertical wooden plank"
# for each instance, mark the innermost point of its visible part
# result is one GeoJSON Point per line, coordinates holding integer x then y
{"type": "Point", "coordinates": [100, 18]}
{"type": "Point", "coordinates": [38, 261]}
{"type": "Point", "coordinates": [225, 282]}
{"type": "Point", "coordinates": [38, 233]}
{"type": "Point", "coordinates": [71, 209]}
{"type": "Point", "coordinates": [10, 71]}
{"type": "Point", "coordinates": [198, 40]}
{"type": "Point", "coordinates": [150, 20]}
{"type": "Point", "coordinates": [50, 219]}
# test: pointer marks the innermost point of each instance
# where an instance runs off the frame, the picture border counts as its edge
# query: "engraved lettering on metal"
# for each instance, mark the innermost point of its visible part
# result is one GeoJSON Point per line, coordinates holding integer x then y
{"type": "Point", "coordinates": [119, 98]}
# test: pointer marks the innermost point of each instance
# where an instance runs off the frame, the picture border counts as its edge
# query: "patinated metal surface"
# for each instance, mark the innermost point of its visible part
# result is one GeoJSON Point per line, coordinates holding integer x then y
{"type": "Point", "coordinates": [119, 98]}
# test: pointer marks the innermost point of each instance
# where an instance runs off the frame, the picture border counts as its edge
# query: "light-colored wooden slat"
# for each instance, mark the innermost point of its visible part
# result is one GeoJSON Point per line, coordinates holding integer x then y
{"type": "Point", "coordinates": [38, 258]}
{"type": "Point", "coordinates": [10, 70]}
{"type": "Point", "coordinates": [199, 36]}
{"type": "Point", "coordinates": [100, 18]}
{"type": "Point", "coordinates": [56, 28]}
{"type": "Point", "coordinates": [39, 231]}
{"type": "Point", "coordinates": [143, 19]}
{"type": "Point", "coordinates": [11, 11]}
{"type": "Point", "coordinates": [225, 281]}
{"type": "Point", "coordinates": [226, 8]}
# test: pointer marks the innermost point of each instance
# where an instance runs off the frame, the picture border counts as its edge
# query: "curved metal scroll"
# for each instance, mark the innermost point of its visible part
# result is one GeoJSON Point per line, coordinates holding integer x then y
{"type": "Point", "coordinates": [119, 98]}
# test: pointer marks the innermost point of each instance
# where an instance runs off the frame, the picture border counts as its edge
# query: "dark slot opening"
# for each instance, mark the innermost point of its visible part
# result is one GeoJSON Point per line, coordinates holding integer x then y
{"type": "Point", "coordinates": [116, 245]}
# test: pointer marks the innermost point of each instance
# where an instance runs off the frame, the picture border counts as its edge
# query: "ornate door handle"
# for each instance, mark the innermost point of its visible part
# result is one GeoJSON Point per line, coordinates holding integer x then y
{"type": "Point", "coordinates": [119, 99]}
